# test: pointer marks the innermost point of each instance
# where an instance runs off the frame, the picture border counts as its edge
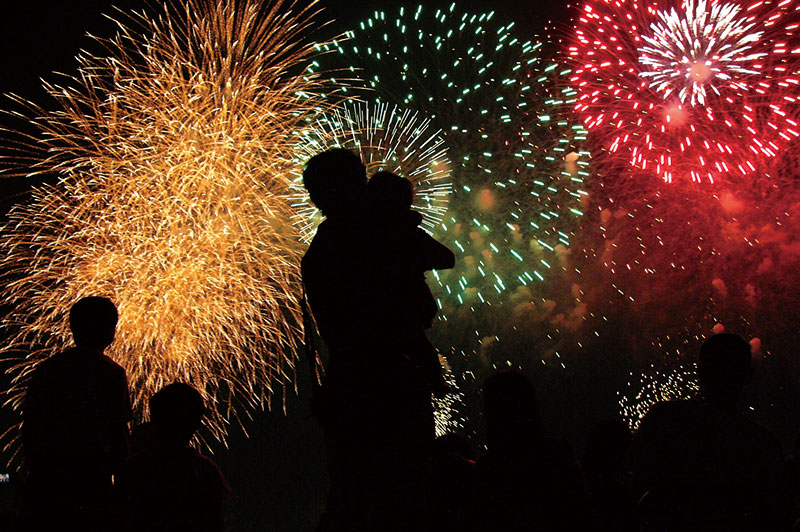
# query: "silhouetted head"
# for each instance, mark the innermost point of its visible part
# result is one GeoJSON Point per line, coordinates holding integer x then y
{"type": "Point", "coordinates": [606, 445]}
{"type": "Point", "coordinates": [93, 322]}
{"type": "Point", "coordinates": [724, 368]}
{"type": "Point", "coordinates": [511, 409]}
{"type": "Point", "coordinates": [452, 443]}
{"type": "Point", "coordinates": [176, 411]}
{"type": "Point", "coordinates": [335, 181]}
{"type": "Point", "coordinates": [389, 193]}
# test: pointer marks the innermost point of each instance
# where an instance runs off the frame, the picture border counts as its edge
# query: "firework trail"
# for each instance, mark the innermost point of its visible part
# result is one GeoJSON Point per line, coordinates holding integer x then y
{"type": "Point", "coordinates": [172, 155]}
{"type": "Point", "coordinates": [695, 90]}
{"type": "Point", "coordinates": [387, 138]}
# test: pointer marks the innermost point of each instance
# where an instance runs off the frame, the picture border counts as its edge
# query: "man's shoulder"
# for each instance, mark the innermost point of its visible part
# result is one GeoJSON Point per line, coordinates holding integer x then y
{"type": "Point", "coordinates": [74, 358]}
{"type": "Point", "coordinates": [319, 242]}
{"type": "Point", "coordinates": [674, 407]}
{"type": "Point", "coordinates": [758, 435]}
{"type": "Point", "coordinates": [672, 415]}
{"type": "Point", "coordinates": [110, 365]}
{"type": "Point", "coordinates": [54, 364]}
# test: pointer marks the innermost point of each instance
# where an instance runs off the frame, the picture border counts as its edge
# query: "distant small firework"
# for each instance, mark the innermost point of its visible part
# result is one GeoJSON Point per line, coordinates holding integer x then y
{"type": "Point", "coordinates": [654, 386]}
{"type": "Point", "coordinates": [387, 138]}
{"type": "Point", "coordinates": [173, 156]}
{"type": "Point", "coordinates": [697, 90]}
{"type": "Point", "coordinates": [446, 412]}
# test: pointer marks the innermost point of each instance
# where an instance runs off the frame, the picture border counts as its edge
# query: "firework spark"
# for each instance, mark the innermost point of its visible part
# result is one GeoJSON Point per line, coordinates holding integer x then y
{"type": "Point", "coordinates": [173, 156]}
{"type": "Point", "coordinates": [446, 410]}
{"type": "Point", "coordinates": [703, 46]}
{"type": "Point", "coordinates": [655, 386]}
{"type": "Point", "coordinates": [688, 90]}
{"type": "Point", "coordinates": [387, 138]}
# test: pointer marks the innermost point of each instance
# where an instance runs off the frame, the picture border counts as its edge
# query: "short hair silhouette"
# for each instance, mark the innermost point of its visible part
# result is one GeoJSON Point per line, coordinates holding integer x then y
{"type": "Point", "coordinates": [93, 322]}
{"type": "Point", "coordinates": [724, 366]}
{"type": "Point", "coordinates": [452, 443]}
{"type": "Point", "coordinates": [176, 411]}
{"type": "Point", "coordinates": [511, 408]}
{"type": "Point", "coordinates": [333, 179]}
{"type": "Point", "coordinates": [390, 192]}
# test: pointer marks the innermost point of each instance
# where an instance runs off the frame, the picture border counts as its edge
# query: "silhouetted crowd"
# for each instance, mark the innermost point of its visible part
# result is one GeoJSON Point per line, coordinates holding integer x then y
{"type": "Point", "coordinates": [692, 465]}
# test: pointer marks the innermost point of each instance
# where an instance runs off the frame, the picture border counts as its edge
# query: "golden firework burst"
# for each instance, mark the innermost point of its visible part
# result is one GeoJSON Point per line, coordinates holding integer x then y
{"type": "Point", "coordinates": [172, 153]}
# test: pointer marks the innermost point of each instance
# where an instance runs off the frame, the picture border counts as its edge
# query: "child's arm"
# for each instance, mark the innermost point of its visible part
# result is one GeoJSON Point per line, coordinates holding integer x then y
{"type": "Point", "coordinates": [430, 254]}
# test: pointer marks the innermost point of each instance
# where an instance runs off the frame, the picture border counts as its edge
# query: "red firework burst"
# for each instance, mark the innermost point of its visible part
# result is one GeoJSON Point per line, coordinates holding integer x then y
{"type": "Point", "coordinates": [698, 90]}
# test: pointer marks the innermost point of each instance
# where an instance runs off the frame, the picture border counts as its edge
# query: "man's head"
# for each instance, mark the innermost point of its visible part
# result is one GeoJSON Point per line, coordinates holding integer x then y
{"type": "Point", "coordinates": [724, 368]}
{"type": "Point", "coordinates": [335, 181]}
{"type": "Point", "coordinates": [93, 322]}
{"type": "Point", "coordinates": [510, 408]}
{"type": "Point", "coordinates": [176, 411]}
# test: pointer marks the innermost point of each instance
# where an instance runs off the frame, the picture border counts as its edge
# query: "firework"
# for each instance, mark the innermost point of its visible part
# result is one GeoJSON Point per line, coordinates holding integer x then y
{"type": "Point", "coordinates": [172, 155]}
{"type": "Point", "coordinates": [654, 386]}
{"type": "Point", "coordinates": [517, 165]}
{"type": "Point", "coordinates": [446, 409]}
{"type": "Point", "coordinates": [698, 90]}
{"type": "Point", "coordinates": [676, 263]}
{"type": "Point", "coordinates": [387, 138]}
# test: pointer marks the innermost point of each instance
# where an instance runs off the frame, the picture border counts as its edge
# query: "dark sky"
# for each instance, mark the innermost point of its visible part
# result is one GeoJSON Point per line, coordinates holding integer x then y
{"type": "Point", "coordinates": [38, 37]}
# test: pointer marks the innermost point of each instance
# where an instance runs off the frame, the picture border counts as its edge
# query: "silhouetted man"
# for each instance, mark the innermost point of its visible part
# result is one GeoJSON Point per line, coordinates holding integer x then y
{"type": "Point", "coordinates": [170, 487]}
{"type": "Point", "coordinates": [375, 404]}
{"type": "Point", "coordinates": [701, 464]}
{"type": "Point", "coordinates": [75, 424]}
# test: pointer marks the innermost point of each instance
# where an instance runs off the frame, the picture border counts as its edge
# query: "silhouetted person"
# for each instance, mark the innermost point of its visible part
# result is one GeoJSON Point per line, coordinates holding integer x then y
{"type": "Point", "coordinates": [172, 487]}
{"type": "Point", "coordinates": [701, 464]}
{"type": "Point", "coordinates": [75, 425]}
{"type": "Point", "coordinates": [403, 253]}
{"type": "Point", "coordinates": [375, 404]}
{"type": "Point", "coordinates": [453, 483]}
{"type": "Point", "coordinates": [607, 475]}
{"type": "Point", "coordinates": [526, 480]}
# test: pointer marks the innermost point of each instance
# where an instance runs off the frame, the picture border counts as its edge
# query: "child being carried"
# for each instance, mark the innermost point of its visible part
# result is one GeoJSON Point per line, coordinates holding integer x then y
{"type": "Point", "coordinates": [405, 252]}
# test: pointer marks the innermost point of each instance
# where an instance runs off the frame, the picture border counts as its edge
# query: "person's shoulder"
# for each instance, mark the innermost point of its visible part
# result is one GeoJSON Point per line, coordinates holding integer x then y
{"type": "Point", "coordinates": [210, 474]}
{"type": "Point", "coordinates": [55, 363]}
{"type": "Point", "coordinates": [320, 241]}
{"type": "Point", "coordinates": [675, 407]}
{"type": "Point", "coordinates": [206, 464]}
{"type": "Point", "coordinates": [109, 366]}
{"type": "Point", "coordinates": [64, 356]}
{"type": "Point", "coordinates": [759, 435]}
{"type": "Point", "coordinates": [678, 414]}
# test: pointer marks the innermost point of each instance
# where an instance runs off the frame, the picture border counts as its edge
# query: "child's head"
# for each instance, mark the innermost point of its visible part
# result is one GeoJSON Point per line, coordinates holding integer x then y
{"type": "Point", "coordinates": [176, 411]}
{"type": "Point", "coordinates": [389, 193]}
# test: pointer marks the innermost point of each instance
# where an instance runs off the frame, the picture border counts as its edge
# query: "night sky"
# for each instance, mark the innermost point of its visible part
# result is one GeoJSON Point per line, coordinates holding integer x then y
{"type": "Point", "coordinates": [38, 37]}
